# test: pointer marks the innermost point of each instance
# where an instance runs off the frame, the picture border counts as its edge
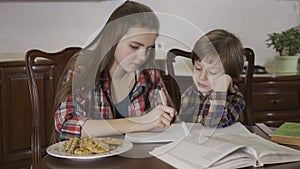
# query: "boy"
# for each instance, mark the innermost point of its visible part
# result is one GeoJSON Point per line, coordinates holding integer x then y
{"type": "Point", "coordinates": [213, 99]}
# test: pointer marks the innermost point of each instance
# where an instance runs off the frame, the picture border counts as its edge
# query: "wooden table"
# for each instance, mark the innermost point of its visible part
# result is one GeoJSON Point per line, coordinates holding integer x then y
{"type": "Point", "coordinates": [136, 158]}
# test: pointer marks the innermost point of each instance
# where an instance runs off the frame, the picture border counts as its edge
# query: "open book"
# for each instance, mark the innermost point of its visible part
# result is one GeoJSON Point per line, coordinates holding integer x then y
{"type": "Point", "coordinates": [226, 149]}
{"type": "Point", "coordinates": [178, 131]}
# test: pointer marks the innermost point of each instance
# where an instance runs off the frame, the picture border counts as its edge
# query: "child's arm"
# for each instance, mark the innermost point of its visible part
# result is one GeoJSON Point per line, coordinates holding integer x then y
{"type": "Point", "coordinates": [223, 109]}
{"type": "Point", "coordinates": [225, 105]}
{"type": "Point", "coordinates": [224, 84]}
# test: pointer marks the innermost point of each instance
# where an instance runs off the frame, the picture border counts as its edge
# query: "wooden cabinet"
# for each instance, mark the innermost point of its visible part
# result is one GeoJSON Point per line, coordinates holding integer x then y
{"type": "Point", "coordinates": [15, 110]}
{"type": "Point", "coordinates": [276, 99]}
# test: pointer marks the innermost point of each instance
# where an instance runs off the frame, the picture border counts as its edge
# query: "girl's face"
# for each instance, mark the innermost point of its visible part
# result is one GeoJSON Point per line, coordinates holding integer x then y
{"type": "Point", "coordinates": [205, 74]}
{"type": "Point", "coordinates": [134, 48]}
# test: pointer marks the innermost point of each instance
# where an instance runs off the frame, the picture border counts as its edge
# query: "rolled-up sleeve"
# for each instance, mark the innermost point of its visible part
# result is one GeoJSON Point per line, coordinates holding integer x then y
{"type": "Point", "coordinates": [69, 118]}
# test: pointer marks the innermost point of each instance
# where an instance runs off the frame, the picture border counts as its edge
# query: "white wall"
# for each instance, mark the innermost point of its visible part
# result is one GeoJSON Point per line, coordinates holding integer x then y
{"type": "Point", "coordinates": [54, 25]}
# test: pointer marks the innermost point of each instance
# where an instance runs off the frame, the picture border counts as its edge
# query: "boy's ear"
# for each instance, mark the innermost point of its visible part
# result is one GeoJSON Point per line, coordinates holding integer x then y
{"type": "Point", "coordinates": [230, 87]}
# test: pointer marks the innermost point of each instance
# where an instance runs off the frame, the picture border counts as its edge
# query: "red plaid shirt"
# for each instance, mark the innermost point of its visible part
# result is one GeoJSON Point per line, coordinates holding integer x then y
{"type": "Point", "coordinates": [72, 113]}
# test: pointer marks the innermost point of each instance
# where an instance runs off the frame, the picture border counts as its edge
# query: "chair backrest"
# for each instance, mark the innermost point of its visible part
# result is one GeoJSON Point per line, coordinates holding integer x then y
{"type": "Point", "coordinates": [174, 88]}
{"type": "Point", "coordinates": [246, 86]}
{"type": "Point", "coordinates": [59, 59]}
{"type": "Point", "coordinates": [247, 89]}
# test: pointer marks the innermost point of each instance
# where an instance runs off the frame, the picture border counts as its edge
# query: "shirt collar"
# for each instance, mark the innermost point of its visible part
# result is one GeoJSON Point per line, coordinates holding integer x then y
{"type": "Point", "coordinates": [140, 87]}
{"type": "Point", "coordinates": [197, 92]}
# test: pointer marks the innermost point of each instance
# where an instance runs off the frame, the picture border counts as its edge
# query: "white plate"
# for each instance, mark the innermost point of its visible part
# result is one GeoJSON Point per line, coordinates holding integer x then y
{"type": "Point", "coordinates": [56, 150]}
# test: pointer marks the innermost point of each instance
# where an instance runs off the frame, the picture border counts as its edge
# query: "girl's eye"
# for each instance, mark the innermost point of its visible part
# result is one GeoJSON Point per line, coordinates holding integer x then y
{"type": "Point", "coordinates": [134, 46]}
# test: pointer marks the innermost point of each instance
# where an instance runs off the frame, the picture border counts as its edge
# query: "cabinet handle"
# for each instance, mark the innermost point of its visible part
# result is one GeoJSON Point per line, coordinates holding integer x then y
{"type": "Point", "coordinates": [275, 101]}
{"type": "Point", "coordinates": [50, 75]}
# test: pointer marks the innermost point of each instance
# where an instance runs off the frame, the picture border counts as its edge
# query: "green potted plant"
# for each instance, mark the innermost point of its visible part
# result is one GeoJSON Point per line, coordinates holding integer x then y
{"type": "Point", "coordinates": [287, 44]}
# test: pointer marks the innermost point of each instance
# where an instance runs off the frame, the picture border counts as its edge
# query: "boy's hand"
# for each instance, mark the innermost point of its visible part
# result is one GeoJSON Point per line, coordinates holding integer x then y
{"type": "Point", "coordinates": [223, 83]}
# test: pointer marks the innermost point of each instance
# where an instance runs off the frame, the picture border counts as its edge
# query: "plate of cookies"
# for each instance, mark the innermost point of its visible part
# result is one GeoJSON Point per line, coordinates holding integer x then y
{"type": "Point", "coordinates": [89, 148]}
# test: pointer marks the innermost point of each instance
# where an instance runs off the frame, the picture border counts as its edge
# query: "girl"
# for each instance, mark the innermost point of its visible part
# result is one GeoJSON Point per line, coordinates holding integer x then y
{"type": "Point", "coordinates": [109, 87]}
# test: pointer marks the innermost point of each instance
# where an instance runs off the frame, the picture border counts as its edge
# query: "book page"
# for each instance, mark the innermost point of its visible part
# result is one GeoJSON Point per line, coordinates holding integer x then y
{"type": "Point", "coordinates": [227, 149]}
{"type": "Point", "coordinates": [237, 159]}
{"type": "Point", "coordinates": [268, 152]}
{"type": "Point", "coordinates": [204, 155]}
{"type": "Point", "coordinates": [177, 132]}
{"type": "Point", "coordinates": [273, 153]}
{"type": "Point", "coordinates": [168, 134]}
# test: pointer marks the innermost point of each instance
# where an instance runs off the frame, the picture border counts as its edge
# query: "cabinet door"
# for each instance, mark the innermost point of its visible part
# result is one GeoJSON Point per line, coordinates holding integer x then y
{"type": "Point", "coordinates": [16, 112]}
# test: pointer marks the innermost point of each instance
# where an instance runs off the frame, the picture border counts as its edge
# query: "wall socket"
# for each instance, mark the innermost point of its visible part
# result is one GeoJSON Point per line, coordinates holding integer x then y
{"type": "Point", "coordinates": [160, 46]}
{"type": "Point", "coordinates": [296, 7]}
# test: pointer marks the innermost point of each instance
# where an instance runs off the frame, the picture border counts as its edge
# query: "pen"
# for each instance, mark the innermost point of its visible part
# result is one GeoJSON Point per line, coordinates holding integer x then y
{"type": "Point", "coordinates": [162, 98]}
{"type": "Point", "coordinates": [160, 92]}
{"type": "Point", "coordinates": [183, 124]}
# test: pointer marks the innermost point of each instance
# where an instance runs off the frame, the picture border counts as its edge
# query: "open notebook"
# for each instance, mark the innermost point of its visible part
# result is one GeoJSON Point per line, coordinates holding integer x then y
{"type": "Point", "coordinates": [230, 147]}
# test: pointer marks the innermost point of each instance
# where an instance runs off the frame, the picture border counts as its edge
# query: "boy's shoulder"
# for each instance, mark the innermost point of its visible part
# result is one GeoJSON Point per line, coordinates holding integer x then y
{"type": "Point", "coordinates": [190, 91]}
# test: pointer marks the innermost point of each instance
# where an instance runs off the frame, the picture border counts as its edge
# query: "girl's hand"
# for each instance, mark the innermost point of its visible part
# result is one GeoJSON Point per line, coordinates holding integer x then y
{"type": "Point", "coordinates": [160, 116]}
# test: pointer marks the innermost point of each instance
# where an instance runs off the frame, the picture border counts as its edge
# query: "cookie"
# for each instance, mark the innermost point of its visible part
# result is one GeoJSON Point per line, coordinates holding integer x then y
{"type": "Point", "coordinates": [112, 141]}
{"type": "Point", "coordinates": [85, 146]}
{"type": "Point", "coordinates": [83, 142]}
{"type": "Point", "coordinates": [71, 144]}
{"type": "Point", "coordinates": [82, 151]}
{"type": "Point", "coordinates": [99, 147]}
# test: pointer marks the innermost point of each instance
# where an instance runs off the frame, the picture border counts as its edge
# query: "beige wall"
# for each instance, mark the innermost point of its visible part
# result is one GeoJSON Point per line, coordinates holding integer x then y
{"type": "Point", "coordinates": [53, 25]}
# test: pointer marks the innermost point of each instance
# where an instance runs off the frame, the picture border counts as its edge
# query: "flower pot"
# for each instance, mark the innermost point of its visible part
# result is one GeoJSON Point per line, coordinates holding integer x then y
{"type": "Point", "coordinates": [286, 64]}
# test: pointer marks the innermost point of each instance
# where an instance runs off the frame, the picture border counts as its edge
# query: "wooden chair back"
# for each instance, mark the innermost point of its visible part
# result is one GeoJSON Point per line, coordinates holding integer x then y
{"type": "Point", "coordinates": [59, 60]}
{"type": "Point", "coordinates": [246, 88]}
{"type": "Point", "coordinates": [175, 88]}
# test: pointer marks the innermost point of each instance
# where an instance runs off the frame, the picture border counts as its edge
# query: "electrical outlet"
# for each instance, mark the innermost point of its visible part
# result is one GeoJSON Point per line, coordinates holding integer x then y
{"type": "Point", "coordinates": [160, 45]}
{"type": "Point", "coordinates": [296, 6]}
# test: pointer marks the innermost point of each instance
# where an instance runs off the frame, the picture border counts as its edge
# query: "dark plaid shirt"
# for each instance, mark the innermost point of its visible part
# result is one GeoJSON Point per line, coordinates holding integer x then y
{"type": "Point", "coordinates": [72, 114]}
{"type": "Point", "coordinates": [219, 109]}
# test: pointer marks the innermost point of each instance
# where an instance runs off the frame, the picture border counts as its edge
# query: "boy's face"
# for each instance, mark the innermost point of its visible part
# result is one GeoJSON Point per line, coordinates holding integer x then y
{"type": "Point", "coordinates": [206, 72]}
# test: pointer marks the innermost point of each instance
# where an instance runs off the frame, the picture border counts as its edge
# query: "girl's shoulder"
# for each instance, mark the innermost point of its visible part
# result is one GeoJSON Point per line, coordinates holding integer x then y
{"type": "Point", "coordinates": [149, 77]}
{"type": "Point", "coordinates": [150, 74]}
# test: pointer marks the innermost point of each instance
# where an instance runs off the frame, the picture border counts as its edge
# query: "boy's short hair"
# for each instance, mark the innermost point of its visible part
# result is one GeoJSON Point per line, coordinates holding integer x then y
{"type": "Point", "coordinates": [224, 44]}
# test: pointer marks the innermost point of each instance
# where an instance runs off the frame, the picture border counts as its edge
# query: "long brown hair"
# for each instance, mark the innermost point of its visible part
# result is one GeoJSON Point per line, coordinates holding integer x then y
{"type": "Point", "coordinates": [99, 54]}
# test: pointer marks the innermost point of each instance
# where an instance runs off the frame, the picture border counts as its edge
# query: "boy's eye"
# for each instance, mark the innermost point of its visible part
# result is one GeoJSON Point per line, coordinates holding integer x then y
{"type": "Point", "coordinates": [214, 70]}
{"type": "Point", "coordinates": [212, 73]}
{"type": "Point", "coordinates": [198, 68]}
